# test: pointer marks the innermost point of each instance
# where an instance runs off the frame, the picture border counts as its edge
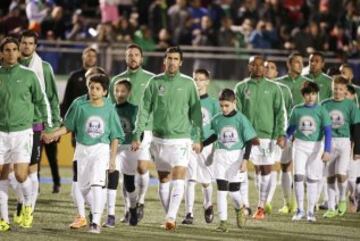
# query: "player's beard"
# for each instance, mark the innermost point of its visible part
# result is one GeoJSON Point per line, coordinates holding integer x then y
{"type": "Point", "coordinates": [134, 67]}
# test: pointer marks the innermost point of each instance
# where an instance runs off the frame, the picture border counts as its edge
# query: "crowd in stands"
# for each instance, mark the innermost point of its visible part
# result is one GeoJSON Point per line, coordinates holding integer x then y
{"type": "Point", "coordinates": [303, 25]}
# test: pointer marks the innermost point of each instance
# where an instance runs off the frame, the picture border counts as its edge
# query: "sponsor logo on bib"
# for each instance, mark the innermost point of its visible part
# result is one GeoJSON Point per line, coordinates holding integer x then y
{"type": "Point", "coordinates": [229, 136]}
{"type": "Point", "coordinates": [126, 125]}
{"type": "Point", "coordinates": [307, 125]}
{"type": "Point", "coordinates": [161, 90]}
{"type": "Point", "coordinates": [337, 118]}
{"type": "Point", "coordinates": [95, 126]}
{"type": "Point", "coordinates": [205, 116]}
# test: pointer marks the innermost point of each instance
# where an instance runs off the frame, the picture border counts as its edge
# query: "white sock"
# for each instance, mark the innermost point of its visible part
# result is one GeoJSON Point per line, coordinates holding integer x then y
{"type": "Point", "coordinates": [4, 188]}
{"type": "Point", "coordinates": [35, 188]}
{"type": "Point", "coordinates": [236, 197]}
{"type": "Point", "coordinates": [126, 199]}
{"type": "Point", "coordinates": [189, 196]}
{"type": "Point", "coordinates": [257, 181]}
{"type": "Point", "coordinates": [26, 188]}
{"type": "Point", "coordinates": [164, 194]}
{"type": "Point", "coordinates": [111, 201]}
{"type": "Point", "coordinates": [331, 194]}
{"type": "Point", "coordinates": [98, 204]}
{"type": "Point", "coordinates": [352, 186]}
{"type": "Point", "coordinates": [342, 190]}
{"type": "Point", "coordinates": [244, 192]}
{"type": "Point", "coordinates": [222, 205]}
{"type": "Point", "coordinates": [273, 183]}
{"type": "Point", "coordinates": [264, 189]}
{"type": "Point", "coordinates": [132, 196]}
{"type": "Point", "coordinates": [78, 199]}
{"type": "Point", "coordinates": [286, 182]}
{"type": "Point", "coordinates": [320, 190]}
{"type": "Point", "coordinates": [299, 194]}
{"type": "Point", "coordinates": [207, 193]}
{"type": "Point", "coordinates": [312, 194]}
{"type": "Point", "coordinates": [176, 196]}
{"type": "Point", "coordinates": [143, 185]}
{"type": "Point", "coordinates": [324, 188]}
{"type": "Point", "coordinates": [89, 199]}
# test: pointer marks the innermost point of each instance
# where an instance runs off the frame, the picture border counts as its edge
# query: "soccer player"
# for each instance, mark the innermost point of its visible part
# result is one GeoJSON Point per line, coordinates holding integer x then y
{"type": "Point", "coordinates": [317, 63]}
{"type": "Point", "coordinates": [139, 79]}
{"type": "Point", "coordinates": [20, 95]}
{"type": "Point", "coordinates": [200, 169]}
{"type": "Point", "coordinates": [308, 123]}
{"type": "Point", "coordinates": [262, 103]}
{"type": "Point", "coordinates": [172, 99]}
{"type": "Point", "coordinates": [233, 132]}
{"type": "Point", "coordinates": [45, 74]}
{"type": "Point", "coordinates": [96, 127]}
{"type": "Point", "coordinates": [126, 162]}
{"type": "Point", "coordinates": [347, 72]}
{"type": "Point", "coordinates": [294, 80]}
{"type": "Point", "coordinates": [343, 113]}
{"type": "Point", "coordinates": [271, 73]}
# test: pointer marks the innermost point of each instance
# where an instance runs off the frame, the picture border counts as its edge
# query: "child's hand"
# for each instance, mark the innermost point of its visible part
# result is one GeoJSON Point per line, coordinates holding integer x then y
{"type": "Point", "coordinates": [135, 145]}
{"type": "Point", "coordinates": [112, 166]}
{"type": "Point", "coordinates": [255, 142]}
{"type": "Point", "coordinates": [197, 147]}
{"type": "Point", "coordinates": [281, 141]}
{"type": "Point", "coordinates": [243, 166]}
{"type": "Point", "coordinates": [47, 137]}
{"type": "Point", "coordinates": [326, 156]}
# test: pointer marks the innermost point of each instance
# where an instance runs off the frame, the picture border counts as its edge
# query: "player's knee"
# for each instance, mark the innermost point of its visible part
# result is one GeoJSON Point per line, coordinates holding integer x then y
{"type": "Point", "coordinates": [74, 166]}
{"type": "Point", "coordinates": [234, 186]}
{"type": "Point", "coordinates": [129, 183]}
{"type": "Point", "coordinates": [286, 167]}
{"type": "Point", "coordinates": [309, 180]}
{"type": "Point", "coordinates": [341, 178]}
{"type": "Point", "coordinates": [358, 180]}
{"type": "Point", "coordinates": [331, 180]}
{"type": "Point", "coordinates": [113, 180]}
{"type": "Point", "coordinates": [298, 178]}
{"type": "Point", "coordinates": [142, 168]}
{"type": "Point", "coordinates": [222, 185]}
{"type": "Point", "coordinates": [21, 176]}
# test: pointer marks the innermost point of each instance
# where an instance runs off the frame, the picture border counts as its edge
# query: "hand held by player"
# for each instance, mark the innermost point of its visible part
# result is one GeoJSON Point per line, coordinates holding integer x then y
{"type": "Point", "coordinates": [243, 166]}
{"type": "Point", "coordinates": [197, 147]}
{"type": "Point", "coordinates": [112, 165]}
{"type": "Point", "coordinates": [281, 142]}
{"type": "Point", "coordinates": [326, 156]}
{"type": "Point", "coordinates": [255, 142]}
{"type": "Point", "coordinates": [135, 145]}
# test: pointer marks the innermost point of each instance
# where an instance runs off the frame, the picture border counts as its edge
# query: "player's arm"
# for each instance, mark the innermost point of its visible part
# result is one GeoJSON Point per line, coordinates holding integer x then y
{"type": "Point", "coordinates": [249, 137]}
{"type": "Point", "coordinates": [196, 118]}
{"type": "Point", "coordinates": [52, 94]}
{"type": "Point", "coordinates": [327, 133]}
{"type": "Point", "coordinates": [113, 151]}
{"type": "Point", "coordinates": [142, 116]}
{"type": "Point", "coordinates": [39, 101]}
{"type": "Point", "coordinates": [280, 117]}
{"type": "Point", "coordinates": [355, 131]}
{"type": "Point", "coordinates": [238, 98]}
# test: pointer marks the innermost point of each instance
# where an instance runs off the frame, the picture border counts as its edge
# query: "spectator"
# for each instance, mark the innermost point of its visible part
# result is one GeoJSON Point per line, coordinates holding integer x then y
{"type": "Point", "coordinates": [197, 12]}
{"type": "Point", "coordinates": [157, 17]}
{"type": "Point", "coordinates": [185, 34]}
{"type": "Point", "coordinates": [164, 40]}
{"type": "Point", "coordinates": [105, 33]}
{"type": "Point", "coordinates": [248, 10]}
{"type": "Point", "coordinates": [226, 36]}
{"type": "Point", "coordinates": [54, 23]}
{"type": "Point", "coordinates": [109, 11]}
{"type": "Point", "coordinates": [338, 41]}
{"type": "Point", "coordinates": [12, 23]}
{"type": "Point", "coordinates": [264, 36]}
{"type": "Point", "coordinates": [178, 15]}
{"type": "Point", "coordinates": [143, 38]}
{"type": "Point", "coordinates": [36, 12]}
{"type": "Point", "coordinates": [350, 19]}
{"type": "Point", "coordinates": [78, 28]}
{"type": "Point", "coordinates": [216, 13]}
{"type": "Point", "coordinates": [123, 31]}
{"type": "Point", "coordinates": [125, 8]}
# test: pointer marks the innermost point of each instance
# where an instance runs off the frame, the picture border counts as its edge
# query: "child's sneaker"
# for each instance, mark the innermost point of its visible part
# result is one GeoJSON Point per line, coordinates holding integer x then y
{"type": "Point", "coordinates": [94, 228]}
{"type": "Point", "coordinates": [311, 217]}
{"type": "Point", "coordinates": [79, 222]}
{"type": "Point", "coordinates": [260, 214]}
{"type": "Point", "coordinates": [4, 226]}
{"type": "Point", "coordinates": [342, 208]}
{"type": "Point", "coordinates": [222, 227]}
{"type": "Point", "coordinates": [110, 222]}
{"type": "Point", "coordinates": [299, 214]}
{"type": "Point", "coordinates": [330, 214]}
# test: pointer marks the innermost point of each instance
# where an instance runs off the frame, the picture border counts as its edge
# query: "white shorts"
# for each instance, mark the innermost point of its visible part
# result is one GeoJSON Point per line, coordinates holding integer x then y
{"type": "Point", "coordinates": [354, 169]}
{"type": "Point", "coordinates": [199, 168]}
{"type": "Point", "coordinates": [16, 147]}
{"type": "Point", "coordinates": [144, 151]}
{"type": "Point", "coordinates": [340, 157]}
{"type": "Point", "coordinates": [307, 159]}
{"type": "Point", "coordinates": [169, 153]}
{"type": "Point", "coordinates": [286, 155]}
{"type": "Point", "coordinates": [127, 160]}
{"type": "Point", "coordinates": [92, 164]}
{"type": "Point", "coordinates": [227, 165]}
{"type": "Point", "coordinates": [263, 154]}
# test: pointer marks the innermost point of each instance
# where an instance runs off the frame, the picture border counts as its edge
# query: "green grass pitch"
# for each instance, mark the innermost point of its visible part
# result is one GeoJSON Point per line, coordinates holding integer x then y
{"type": "Point", "coordinates": [54, 212]}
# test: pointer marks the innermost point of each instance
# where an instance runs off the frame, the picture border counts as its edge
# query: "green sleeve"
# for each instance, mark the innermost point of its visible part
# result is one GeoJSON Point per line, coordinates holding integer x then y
{"type": "Point", "coordinates": [70, 118]}
{"type": "Point", "coordinates": [355, 114]}
{"type": "Point", "coordinates": [144, 112]}
{"type": "Point", "coordinates": [248, 132]}
{"type": "Point", "coordinates": [195, 114]}
{"type": "Point", "coordinates": [280, 114]}
{"type": "Point", "coordinates": [292, 121]}
{"type": "Point", "coordinates": [38, 99]}
{"type": "Point", "coordinates": [111, 90]}
{"type": "Point", "coordinates": [52, 94]}
{"type": "Point", "coordinates": [116, 130]}
{"type": "Point", "coordinates": [238, 99]}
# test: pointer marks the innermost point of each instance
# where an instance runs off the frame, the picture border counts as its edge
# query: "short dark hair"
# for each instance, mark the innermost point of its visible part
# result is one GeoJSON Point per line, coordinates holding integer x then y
{"type": "Point", "coordinates": [135, 46]}
{"type": "Point", "coordinates": [101, 79]}
{"type": "Point", "coordinates": [174, 49]}
{"type": "Point", "coordinates": [227, 94]}
{"type": "Point", "coordinates": [351, 89]}
{"type": "Point", "coordinates": [89, 49]}
{"type": "Point", "coordinates": [318, 53]}
{"type": "Point", "coordinates": [254, 57]}
{"type": "Point", "coordinates": [293, 56]}
{"type": "Point", "coordinates": [203, 71]}
{"type": "Point", "coordinates": [30, 34]}
{"type": "Point", "coordinates": [8, 40]}
{"type": "Point", "coordinates": [309, 87]}
{"type": "Point", "coordinates": [340, 80]}
{"type": "Point", "coordinates": [124, 82]}
{"type": "Point", "coordinates": [94, 70]}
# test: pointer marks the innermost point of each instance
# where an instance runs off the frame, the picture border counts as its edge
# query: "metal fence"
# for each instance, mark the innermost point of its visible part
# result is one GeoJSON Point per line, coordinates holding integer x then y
{"type": "Point", "coordinates": [224, 63]}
